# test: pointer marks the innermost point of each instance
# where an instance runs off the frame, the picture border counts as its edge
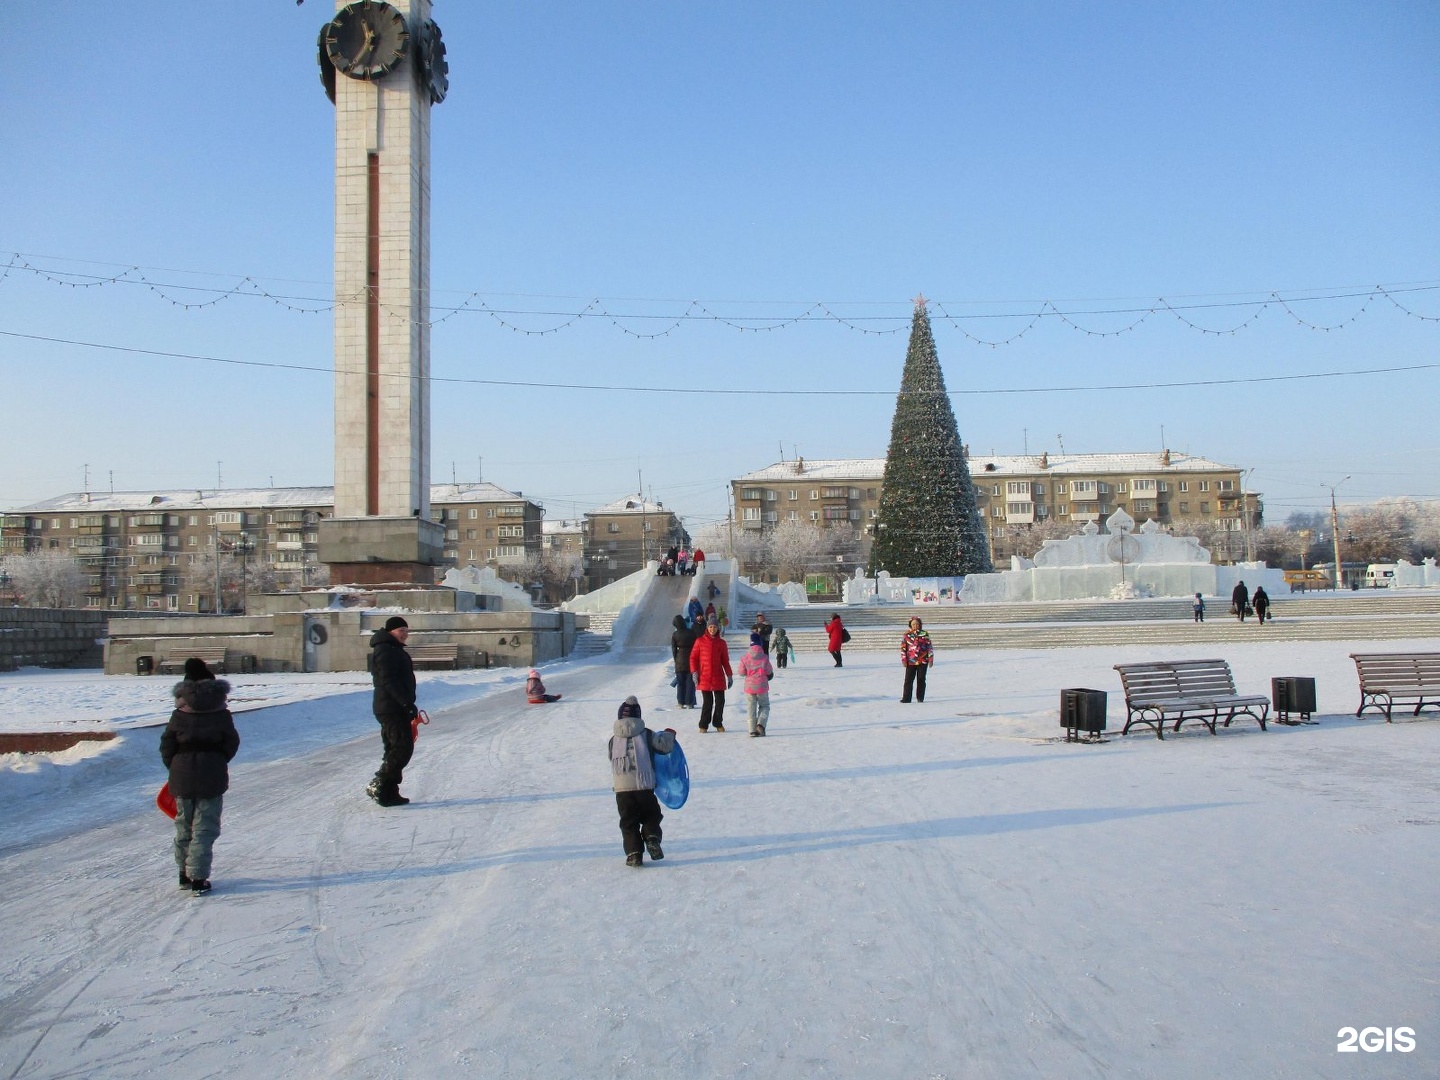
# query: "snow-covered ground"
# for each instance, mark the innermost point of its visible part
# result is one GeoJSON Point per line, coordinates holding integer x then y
{"type": "Point", "coordinates": [944, 889]}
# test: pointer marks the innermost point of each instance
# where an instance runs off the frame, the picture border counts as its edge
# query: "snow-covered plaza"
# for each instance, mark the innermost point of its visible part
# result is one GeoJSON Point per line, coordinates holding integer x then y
{"type": "Point", "coordinates": [876, 890]}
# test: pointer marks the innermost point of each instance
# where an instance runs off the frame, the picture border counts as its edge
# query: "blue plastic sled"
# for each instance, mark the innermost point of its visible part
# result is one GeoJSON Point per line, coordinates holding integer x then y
{"type": "Point", "coordinates": [672, 777]}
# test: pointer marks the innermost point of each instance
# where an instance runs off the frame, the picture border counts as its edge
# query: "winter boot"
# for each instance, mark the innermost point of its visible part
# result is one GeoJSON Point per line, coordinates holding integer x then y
{"type": "Point", "coordinates": [391, 798]}
{"type": "Point", "coordinates": [185, 881]}
{"type": "Point", "coordinates": [652, 845]}
{"type": "Point", "coordinates": [635, 859]}
{"type": "Point", "coordinates": [373, 789]}
{"type": "Point", "coordinates": [200, 886]}
{"type": "Point", "coordinates": [719, 726]}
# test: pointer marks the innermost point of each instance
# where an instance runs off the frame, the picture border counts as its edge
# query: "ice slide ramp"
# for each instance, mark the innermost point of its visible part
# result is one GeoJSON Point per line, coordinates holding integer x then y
{"type": "Point", "coordinates": [652, 625]}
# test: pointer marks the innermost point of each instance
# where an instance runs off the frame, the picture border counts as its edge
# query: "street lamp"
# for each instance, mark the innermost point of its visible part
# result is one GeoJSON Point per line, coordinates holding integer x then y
{"type": "Point", "coordinates": [1335, 525]}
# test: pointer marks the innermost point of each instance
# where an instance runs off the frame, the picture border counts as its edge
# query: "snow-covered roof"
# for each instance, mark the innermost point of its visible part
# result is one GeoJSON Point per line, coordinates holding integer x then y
{"type": "Point", "coordinates": [99, 502]}
{"type": "Point", "coordinates": [1063, 464]}
{"type": "Point", "coordinates": [561, 526]}
{"type": "Point", "coordinates": [631, 504]}
{"type": "Point", "coordinates": [830, 469]}
{"type": "Point", "coordinates": [1004, 464]}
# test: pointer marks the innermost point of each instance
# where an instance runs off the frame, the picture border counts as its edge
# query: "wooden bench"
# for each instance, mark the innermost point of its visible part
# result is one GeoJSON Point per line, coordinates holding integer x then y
{"type": "Point", "coordinates": [213, 656]}
{"type": "Point", "coordinates": [1387, 678]}
{"type": "Point", "coordinates": [1187, 690]}
{"type": "Point", "coordinates": [435, 654]}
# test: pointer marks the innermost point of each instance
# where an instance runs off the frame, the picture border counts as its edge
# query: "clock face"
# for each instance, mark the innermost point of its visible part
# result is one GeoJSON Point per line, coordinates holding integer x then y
{"type": "Point", "coordinates": [431, 67]}
{"type": "Point", "coordinates": [366, 39]}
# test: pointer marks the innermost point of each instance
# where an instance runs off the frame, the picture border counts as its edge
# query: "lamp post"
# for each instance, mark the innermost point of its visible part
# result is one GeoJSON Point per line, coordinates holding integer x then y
{"type": "Point", "coordinates": [1335, 526]}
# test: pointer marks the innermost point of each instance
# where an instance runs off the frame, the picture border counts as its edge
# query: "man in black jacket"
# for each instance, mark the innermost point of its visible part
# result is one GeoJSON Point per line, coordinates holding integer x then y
{"type": "Point", "coordinates": [394, 705]}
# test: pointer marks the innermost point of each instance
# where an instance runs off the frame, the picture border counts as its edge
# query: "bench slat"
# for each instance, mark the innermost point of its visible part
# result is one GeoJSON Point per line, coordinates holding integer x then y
{"type": "Point", "coordinates": [1387, 678]}
{"type": "Point", "coordinates": [1188, 690]}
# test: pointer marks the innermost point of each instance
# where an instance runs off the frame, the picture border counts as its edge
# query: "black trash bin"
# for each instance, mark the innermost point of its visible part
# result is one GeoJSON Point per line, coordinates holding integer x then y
{"type": "Point", "coordinates": [1292, 694]}
{"type": "Point", "coordinates": [1082, 710]}
{"type": "Point", "coordinates": [145, 665]}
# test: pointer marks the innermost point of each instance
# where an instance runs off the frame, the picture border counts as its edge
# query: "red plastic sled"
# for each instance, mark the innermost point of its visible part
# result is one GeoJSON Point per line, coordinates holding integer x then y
{"type": "Point", "coordinates": [166, 802]}
{"type": "Point", "coordinates": [422, 717]}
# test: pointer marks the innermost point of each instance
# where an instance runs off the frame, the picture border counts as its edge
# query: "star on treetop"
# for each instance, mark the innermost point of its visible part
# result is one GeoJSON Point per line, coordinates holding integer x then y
{"type": "Point", "coordinates": [920, 300]}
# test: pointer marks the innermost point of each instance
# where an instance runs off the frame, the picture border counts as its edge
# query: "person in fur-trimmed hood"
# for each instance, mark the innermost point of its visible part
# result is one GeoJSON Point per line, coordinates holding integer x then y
{"type": "Point", "coordinates": [755, 669]}
{"type": "Point", "coordinates": [633, 777]}
{"type": "Point", "coordinates": [196, 747]}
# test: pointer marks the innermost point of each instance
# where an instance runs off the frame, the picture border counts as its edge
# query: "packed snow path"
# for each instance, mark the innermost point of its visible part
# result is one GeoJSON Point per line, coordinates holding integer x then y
{"type": "Point", "coordinates": [874, 890]}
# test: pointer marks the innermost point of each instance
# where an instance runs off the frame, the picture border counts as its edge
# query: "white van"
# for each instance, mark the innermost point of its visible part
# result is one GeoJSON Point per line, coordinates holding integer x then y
{"type": "Point", "coordinates": [1379, 575]}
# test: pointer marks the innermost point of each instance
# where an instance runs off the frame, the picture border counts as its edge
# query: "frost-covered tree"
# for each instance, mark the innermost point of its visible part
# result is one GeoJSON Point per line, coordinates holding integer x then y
{"type": "Point", "coordinates": [47, 578]}
{"type": "Point", "coordinates": [928, 524]}
{"type": "Point", "coordinates": [1026, 540]}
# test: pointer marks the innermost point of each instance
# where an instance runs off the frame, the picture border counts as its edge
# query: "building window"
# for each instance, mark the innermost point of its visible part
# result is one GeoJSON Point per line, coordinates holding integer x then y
{"type": "Point", "coordinates": [1184, 485]}
{"type": "Point", "coordinates": [814, 494]}
{"type": "Point", "coordinates": [794, 494]}
{"type": "Point", "coordinates": [752, 494]}
{"type": "Point", "coordinates": [794, 515]}
{"type": "Point", "coordinates": [1143, 506]}
{"type": "Point", "coordinates": [752, 513]}
{"type": "Point", "coordinates": [1142, 487]}
{"type": "Point", "coordinates": [1017, 487]}
{"type": "Point", "coordinates": [1225, 485]}
{"type": "Point", "coordinates": [472, 514]}
{"type": "Point", "coordinates": [1184, 508]}
{"type": "Point", "coordinates": [1204, 485]}
{"type": "Point", "coordinates": [1083, 487]}
{"type": "Point", "coordinates": [814, 515]}
{"type": "Point", "coordinates": [1204, 508]}
{"type": "Point", "coordinates": [1059, 489]}
{"type": "Point", "coordinates": [997, 511]}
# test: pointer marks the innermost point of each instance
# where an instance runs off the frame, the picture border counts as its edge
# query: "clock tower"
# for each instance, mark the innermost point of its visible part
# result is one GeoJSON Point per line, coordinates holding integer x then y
{"type": "Point", "coordinates": [383, 65]}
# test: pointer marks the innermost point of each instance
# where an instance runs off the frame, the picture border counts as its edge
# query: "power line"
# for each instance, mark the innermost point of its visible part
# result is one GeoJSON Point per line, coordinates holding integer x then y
{"type": "Point", "coordinates": [732, 391]}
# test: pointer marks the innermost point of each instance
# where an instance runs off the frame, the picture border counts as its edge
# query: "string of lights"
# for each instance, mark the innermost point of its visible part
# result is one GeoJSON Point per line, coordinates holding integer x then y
{"type": "Point", "coordinates": [716, 391]}
{"type": "Point", "coordinates": [1073, 315]}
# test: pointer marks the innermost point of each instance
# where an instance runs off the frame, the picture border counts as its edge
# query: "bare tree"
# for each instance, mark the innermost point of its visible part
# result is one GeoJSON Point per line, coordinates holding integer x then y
{"type": "Point", "coordinates": [795, 549]}
{"type": "Point", "coordinates": [47, 578]}
{"type": "Point", "coordinates": [1277, 546]}
{"type": "Point", "coordinates": [1027, 540]}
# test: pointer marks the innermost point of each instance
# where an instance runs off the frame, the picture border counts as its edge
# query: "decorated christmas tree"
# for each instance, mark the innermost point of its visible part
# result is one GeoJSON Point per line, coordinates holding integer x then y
{"type": "Point", "coordinates": [928, 525]}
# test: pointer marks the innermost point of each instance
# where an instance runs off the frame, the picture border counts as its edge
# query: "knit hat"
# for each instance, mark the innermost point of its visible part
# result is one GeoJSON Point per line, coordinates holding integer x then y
{"type": "Point", "coordinates": [196, 669]}
{"type": "Point", "coordinates": [756, 639]}
{"type": "Point", "coordinates": [629, 707]}
{"type": "Point", "coordinates": [395, 622]}
{"type": "Point", "coordinates": [534, 674]}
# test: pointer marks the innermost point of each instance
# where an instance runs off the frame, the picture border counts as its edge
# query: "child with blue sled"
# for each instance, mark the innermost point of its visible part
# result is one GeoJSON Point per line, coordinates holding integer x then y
{"type": "Point", "coordinates": [633, 769]}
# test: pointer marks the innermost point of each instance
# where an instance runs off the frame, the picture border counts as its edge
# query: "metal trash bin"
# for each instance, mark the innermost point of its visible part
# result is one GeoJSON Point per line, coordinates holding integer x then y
{"type": "Point", "coordinates": [1292, 694]}
{"type": "Point", "coordinates": [145, 665]}
{"type": "Point", "coordinates": [1082, 710]}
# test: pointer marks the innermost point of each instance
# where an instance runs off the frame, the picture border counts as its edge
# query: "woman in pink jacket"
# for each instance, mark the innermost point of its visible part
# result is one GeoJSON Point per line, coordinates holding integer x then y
{"type": "Point", "coordinates": [710, 663]}
{"type": "Point", "coordinates": [755, 669]}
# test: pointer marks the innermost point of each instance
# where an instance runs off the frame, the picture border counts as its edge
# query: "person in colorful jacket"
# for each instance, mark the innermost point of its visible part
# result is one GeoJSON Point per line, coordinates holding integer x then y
{"type": "Point", "coordinates": [755, 669]}
{"type": "Point", "coordinates": [710, 663]}
{"type": "Point", "coordinates": [917, 654]}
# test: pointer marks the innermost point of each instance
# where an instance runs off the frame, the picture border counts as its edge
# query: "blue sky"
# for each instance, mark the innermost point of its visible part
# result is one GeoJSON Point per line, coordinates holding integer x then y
{"type": "Point", "coordinates": [759, 159]}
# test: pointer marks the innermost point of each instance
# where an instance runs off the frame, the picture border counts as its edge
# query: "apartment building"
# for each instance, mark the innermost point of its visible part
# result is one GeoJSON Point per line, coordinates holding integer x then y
{"type": "Point", "coordinates": [621, 537]}
{"type": "Point", "coordinates": [162, 549]}
{"type": "Point", "coordinates": [1012, 492]}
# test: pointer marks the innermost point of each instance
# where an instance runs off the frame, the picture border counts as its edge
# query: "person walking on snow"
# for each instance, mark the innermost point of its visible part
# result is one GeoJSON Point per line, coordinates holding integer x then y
{"type": "Point", "coordinates": [917, 654]}
{"type": "Point", "coordinates": [1240, 600]}
{"type": "Point", "coordinates": [1261, 603]}
{"type": "Point", "coordinates": [836, 632]}
{"type": "Point", "coordinates": [784, 651]}
{"type": "Point", "coordinates": [394, 705]}
{"type": "Point", "coordinates": [710, 663]}
{"type": "Point", "coordinates": [632, 769]}
{"type": "Point", "coordinates": [682, 641]}
{"type": "Point", "coordinates": [764, 628]}
{"type": "Point", "coordinates": [695, 615]}
{"type": "Point", "coordinates": [197, 746]}
{"type": "Point", "coordinates": [1199, 608]}
{"type": "Point", "coordinates": [755, 669]}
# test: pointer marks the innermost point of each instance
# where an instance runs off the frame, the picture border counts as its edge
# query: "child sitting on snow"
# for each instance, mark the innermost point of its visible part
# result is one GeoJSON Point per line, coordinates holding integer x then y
{"type": "Point", "coordinates": [755, 669]}
{"type": "Point", "coordinates": [633, 769]}
{"type": "Point", "coordinates": [535, 690]}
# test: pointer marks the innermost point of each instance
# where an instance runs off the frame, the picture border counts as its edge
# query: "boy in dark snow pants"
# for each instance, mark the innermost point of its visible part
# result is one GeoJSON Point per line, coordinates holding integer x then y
{"type": "Point", "coordinates": [633, 770]}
